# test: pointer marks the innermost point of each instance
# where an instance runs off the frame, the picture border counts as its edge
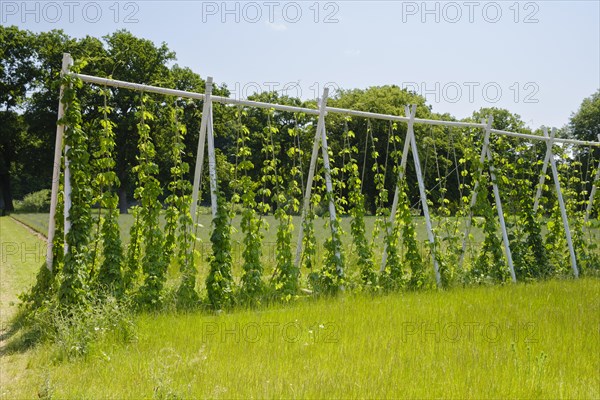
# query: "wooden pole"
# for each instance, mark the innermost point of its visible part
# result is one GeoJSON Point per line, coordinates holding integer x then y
{"type": "Point", "coordinates": [67, 62]}
{"type": "Point", "coordinates": [311, 172]}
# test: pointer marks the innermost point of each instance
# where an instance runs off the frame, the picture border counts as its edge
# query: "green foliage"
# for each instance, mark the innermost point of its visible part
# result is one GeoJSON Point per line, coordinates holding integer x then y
{"type": "Point", "coordinates": [447, 246]}
{"type": "Point", "coordinates": [134, 251]}
{"type": "Point", "coordinates": [381, 194]}
{"type": "Point", "coordinates": [76, 334]}
{"type": "Point", "coordinates": [181, 228]}
{"type": "Point", "coordinates": [356, 200]}
{"type": "Point", "coordinates": [539, 265]}
{"type": "Point", "coordinates": [35, 202]}
{"type": "Point", "coordinates": [412, 255]}
{"type": "Point", "coordinates": [154, 264]}
{"type": "Point", "coordinates": [524, 228]}
{"type": "Point", "coordinates": [286, 278]}
{"type": "Point", "coordinates": [219, 283]}
{"type": "Point", "coordinates": [74, 288]}
{"type": "Point", "coordinates": [309, 240]}
{"type": "Point", "coordinates": [286, 274]}
{"type": "Point", "coordinates": [555, 242]}
{"type": "Point", "coordinates": [529, 255]}
{"type": "Point", "coordinates": [490, 263]}
{"type": "Point", "coordinates": [252, 286]}
{"type": "Point", "coordinates": [392, 276]}
{"type": "Point", "coordinates": [585, 123]}
{"type": "Point", "coordinates": [575, 183]}
{"type": "Point", "coordinates": [392, 272]}
{"type": "Point", "coordinates": [174, 152]}
{"type": "Point", "coordinates": [109, 273]}
{"type": "Point", "coordinates": [41, 291]}
{"type": "Point", "coordinates": [332, 278]}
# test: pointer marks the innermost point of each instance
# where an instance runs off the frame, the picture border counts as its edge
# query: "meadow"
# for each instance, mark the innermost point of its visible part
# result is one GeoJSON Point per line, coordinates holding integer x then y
{"type": "Point", "coordinates": [39, 223]}
{"type": "Point", "coordinates": [537, 340]}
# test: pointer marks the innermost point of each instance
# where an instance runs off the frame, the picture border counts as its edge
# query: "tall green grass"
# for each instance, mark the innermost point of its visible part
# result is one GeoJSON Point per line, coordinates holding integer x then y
{"type": "Point", "coordinates": [538, 340]}
{"type": "Point", "coordinates": [21, 255]}
{"type": "Point", "coordinates": [515, 341]}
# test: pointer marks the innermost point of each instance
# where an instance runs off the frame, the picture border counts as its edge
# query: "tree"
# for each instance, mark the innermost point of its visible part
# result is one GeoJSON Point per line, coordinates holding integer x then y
{"type": "Point", "coordinates": [389, 99]}
{"type": "Point", "coordinates": [585, 123]}
{"type": "Point", "coordinates": [40, 113]}
{"type": "Point", "coordinates": [135, 60]}
{"type": "Point", "coordinates": [503, 119]}
{"type": "Point", "coordinates": [30, 70]}
{"type": "Point", "coordinates": [17, 72]}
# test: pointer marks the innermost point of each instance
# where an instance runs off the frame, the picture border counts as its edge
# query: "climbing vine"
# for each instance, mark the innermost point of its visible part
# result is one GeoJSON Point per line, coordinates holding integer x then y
{"type": "Point", "coordinates": [286, 274]}
{"type": "Point", "coordinates": [109, 273]}
{"type": "Point", "coordinates": [490, 265]}
{"type": "Point", "coordinates": [75, 272]}
{"type": "Point", "coordinates": [179, 218]}
{"type": "Point", "coordinates": [356, 200]}
{"type": "Point", "coordinates": [392, 274]}
{"type": "Point", "coordinates": [148, 190]}
{"type": "Point", "coordinates": [332, 276]}
{"type": "Point", "coordinates": [219, 283]}
{"type": "Point", "coordinates": [252, 287]}
{"type": "Point", "coordinates": [412, 254]}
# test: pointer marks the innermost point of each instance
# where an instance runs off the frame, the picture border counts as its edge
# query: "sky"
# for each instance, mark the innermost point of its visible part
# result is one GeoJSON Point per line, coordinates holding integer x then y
{"type": "Point", "coordinates": [538, 59]}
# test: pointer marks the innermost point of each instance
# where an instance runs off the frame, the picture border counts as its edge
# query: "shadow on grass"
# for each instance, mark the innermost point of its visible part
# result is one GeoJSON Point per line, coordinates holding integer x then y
{"type": "Point", "coordinates": [19, 336]}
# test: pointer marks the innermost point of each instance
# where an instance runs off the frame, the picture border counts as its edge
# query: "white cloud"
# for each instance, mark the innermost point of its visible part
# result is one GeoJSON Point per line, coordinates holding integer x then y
{"type": "Point", "coordinates": [352, 52]}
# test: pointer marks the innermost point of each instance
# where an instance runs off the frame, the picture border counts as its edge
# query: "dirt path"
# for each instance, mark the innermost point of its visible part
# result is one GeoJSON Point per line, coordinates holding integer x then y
{"type": "Point", "coordinates": [39, 235]}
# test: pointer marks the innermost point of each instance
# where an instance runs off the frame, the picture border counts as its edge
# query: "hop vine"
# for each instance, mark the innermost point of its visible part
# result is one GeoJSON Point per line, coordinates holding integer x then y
{"type": "Point", "coordinates": [154, 264]}
{"type": "Point", "coordinates": [74, 288]}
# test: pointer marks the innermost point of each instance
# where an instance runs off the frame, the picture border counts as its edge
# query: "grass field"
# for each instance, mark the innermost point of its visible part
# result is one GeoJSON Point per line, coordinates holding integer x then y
{"type": "Point", "coordinates": [537, 340]}
{"type": "Point", "coordinates": [39, 223]}
{"type": "Point", "coordinates": [21, 254]}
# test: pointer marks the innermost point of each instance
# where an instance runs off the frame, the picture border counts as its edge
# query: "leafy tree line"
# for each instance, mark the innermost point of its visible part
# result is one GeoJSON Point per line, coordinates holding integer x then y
{"type": "Point", "coordinates": [30, 67]}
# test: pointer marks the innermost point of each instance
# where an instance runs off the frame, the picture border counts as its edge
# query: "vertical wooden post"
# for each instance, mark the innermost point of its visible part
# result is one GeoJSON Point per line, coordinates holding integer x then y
{"type": "Point", "coordinates": [407, 141]}
{"type": "Point", "coordinates": [561, 203]}
{"type": "Point", "coordinates": [67, 195]}
{"type": "Point", "coordinates": [67, 62]}
{"type": "Point", "coordinates": [200, 151]}
{"type": "Point", "coordinates": [212, 162]}
{"type": "Point", "coordinates": [538, 193]}
{"type": "Point", "coordinates": [311, 172]}
{"type": "Point", "coordinates": [423, 195]}
{"type": "Point", "coordinates": [590, 204]}
{"type": "Point", "coordinates": [484, 149]}
{"type": "Point", "coordinates": [498, 201]}
{"type": "Point", "coordinates": [329, 189]}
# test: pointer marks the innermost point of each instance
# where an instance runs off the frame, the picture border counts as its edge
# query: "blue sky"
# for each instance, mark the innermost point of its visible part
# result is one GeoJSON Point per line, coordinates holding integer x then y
{"type": "Point", "coordinates": [539, 59]}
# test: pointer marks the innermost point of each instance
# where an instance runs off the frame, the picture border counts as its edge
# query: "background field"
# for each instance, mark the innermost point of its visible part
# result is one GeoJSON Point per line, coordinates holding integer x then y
{"type": "Point", "coordinates": [536, 340]}
{"type": "Point", "coordinates": [39, 223]}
